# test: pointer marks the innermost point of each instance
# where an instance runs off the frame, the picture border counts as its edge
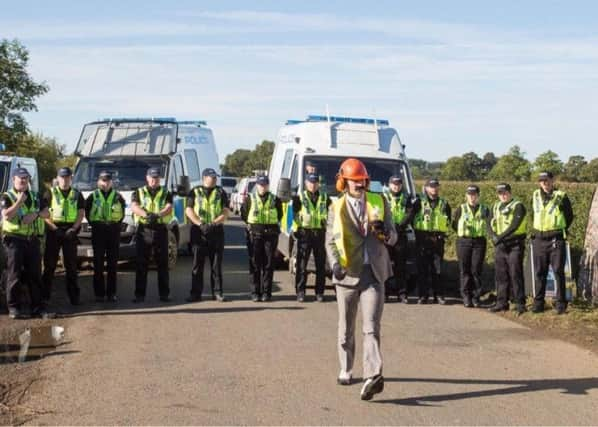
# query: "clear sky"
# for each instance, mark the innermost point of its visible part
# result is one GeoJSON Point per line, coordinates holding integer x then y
{"type": "Point", "coordinates": [450, 76]}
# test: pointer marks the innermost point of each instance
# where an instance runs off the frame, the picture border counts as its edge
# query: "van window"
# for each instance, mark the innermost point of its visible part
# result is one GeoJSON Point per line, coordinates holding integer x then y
{"type": "Point", "coordinates": [178, 166]}
{"type": "Point", "coordinates": [286, 164]}
{"type": "Point", "coordinates": [295, 174]}
{"type": "Point", "coordinates": [192, 165]}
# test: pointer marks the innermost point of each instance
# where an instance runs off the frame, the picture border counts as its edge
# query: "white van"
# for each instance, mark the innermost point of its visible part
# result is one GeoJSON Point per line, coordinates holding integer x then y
{"type": "Point", "coordinates": [128, 147]}
{"type": "Point", "coordinates": [9, 163]}
{"type": "Point", "coordinates": [326, 142]}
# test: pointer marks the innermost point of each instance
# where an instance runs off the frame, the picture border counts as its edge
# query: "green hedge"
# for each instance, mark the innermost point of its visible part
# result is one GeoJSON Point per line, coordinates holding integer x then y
{"type": "Point", "coordinates": [580, 195]}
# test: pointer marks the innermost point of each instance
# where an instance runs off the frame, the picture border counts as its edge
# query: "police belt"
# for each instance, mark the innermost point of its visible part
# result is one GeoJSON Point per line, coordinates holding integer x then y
{"type": "Point", "coordinates": [548, 235]}
{"type": "Point", "coordinates": [21, 237]}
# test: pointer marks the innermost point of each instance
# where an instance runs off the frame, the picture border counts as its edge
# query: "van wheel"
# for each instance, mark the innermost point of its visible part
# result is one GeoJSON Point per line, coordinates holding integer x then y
{"type": "Point", "coordinates": [173, 249]}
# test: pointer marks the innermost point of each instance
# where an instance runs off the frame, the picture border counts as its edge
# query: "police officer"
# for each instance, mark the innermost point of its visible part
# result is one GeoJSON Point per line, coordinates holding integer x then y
{"type": "Point", "coordinates": [104, 210]}
{"type": "Point", "coordinates": [152, 210]}
{"type": "Point", "coordinates": [470, 221]}
{"type": "Point", "coordinates": [508, 231]}
{"type": "Point", "coordinates": [67, 207]}
{"type": "Point", "coordinates": [207, 210]}
{"type": "Point", "coordinates": [21, 210]}
{"type": "Point", "coordinates": [310, 210]}
{"type": "Point", "coordinates": [403, 212]}
{"type": "Point", "coordinates": [262, 210]}
{"type": "Point", "coordinates": [431, 223]}
{"type": "Point", "coordinates": [552, 217]}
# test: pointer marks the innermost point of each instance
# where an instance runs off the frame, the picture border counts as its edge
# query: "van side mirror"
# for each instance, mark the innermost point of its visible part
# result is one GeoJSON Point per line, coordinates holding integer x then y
{"type": "Point", "coordinates": [183, 187]}
{"type": "Point", "coordinates": [284, 189]}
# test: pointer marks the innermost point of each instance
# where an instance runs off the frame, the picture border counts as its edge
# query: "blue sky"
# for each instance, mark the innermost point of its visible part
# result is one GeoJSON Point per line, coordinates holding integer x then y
{"type": "Point", "coordinates": [451, 76]}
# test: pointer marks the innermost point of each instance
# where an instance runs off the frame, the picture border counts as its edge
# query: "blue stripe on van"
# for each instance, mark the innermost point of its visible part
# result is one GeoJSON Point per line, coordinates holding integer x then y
{"type": "Point", "coordinates": [179, 209]}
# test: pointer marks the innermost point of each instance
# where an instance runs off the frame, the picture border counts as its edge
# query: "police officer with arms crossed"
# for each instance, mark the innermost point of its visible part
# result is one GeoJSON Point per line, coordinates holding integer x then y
{"type": "Point", "coordinates": [67, 207]}
{"type": "Point", "coordinates": [431, 224]}
{"type": "Point", "coordinates": [262, 210]}
{"type": "Point", "coordinates": [552, 217]}
{"type": "Point", "coordinates": [152, 209]}
{"type": "Point", "coordinates": [508, 231]}
{"type": "Point", "coordinates": [207, 210]}
{"type": "Point", "coordinates": [359, 226]}
{"type": "Point", "coordinates": [403, 212]}
{"type": "Point", "coordinates": [310, 211]}
{"type": "Point", "coordinates": [21, 210]}
{"type": "Point", "coordinates": [105, 211]}
{"type": "Point", "coordinates": [470, 221]}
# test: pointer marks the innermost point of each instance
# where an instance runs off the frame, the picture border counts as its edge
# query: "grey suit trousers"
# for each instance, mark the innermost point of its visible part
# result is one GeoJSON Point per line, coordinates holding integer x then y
{"type": "Point", "coordinates": [370, 295]}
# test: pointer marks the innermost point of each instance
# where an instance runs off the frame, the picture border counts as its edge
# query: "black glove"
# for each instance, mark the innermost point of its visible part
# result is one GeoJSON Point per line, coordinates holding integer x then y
{"type": "Point", "coordinates": [496, 240]}
{"type": "Point", "coordinates": [379, 230]}
{"type": "Point", "coordinates": [205, 228]}
{"type": "Point", "coordinates": [297, 234]}
{"type": "Point", "coordinates": [60, 233]}
{"type": "Point", "coordinates": [338, 272]}
{"type": "Point", "coordinates": [152, 218]}
{"type": "Point", "coordinates": [71, 234]}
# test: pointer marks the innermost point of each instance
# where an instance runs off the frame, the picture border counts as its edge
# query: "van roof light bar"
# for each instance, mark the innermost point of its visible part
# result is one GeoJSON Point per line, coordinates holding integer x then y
{"type": "Point", "coordinates": [198, 123]}
{"type": "Point", "coordinates": [339, 119]}
{"type": "Point", "coordinates": [139, 119]}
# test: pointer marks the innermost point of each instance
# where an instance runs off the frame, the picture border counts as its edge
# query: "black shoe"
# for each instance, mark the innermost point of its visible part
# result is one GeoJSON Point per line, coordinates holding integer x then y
{"type": "Point", "coordinates": [520, 308]}
{"type": "Point", "coordinates": [434, 300]}
{"type": "Point", "coordinates": [320, 297]}
{"type": "Point", "coordinates": [422, 301]}
{"type": "Point", "coordinates": [497, 308]}
{"type": "Point", "coordinates": [42, 313]}
{"type": "Point", "coordinates": [344, 381]}
{"type": "Point", "coordinates": [220, 298]}
{"type": "Point", "coordinates": [301, 297]}
{"type": "Point", "coordinates": [99, 299]}
{"type": "Point", "coordinates": [15, 314]}
{"type": "Point", "coordinates": [192, 298]}
{"type": "Point", "coordinates": [561, 309]}
{"type": "Point", "coordinates": [538, 308]}
{"type": "Point", "coordinates": [403, 299]}
{"type": "Point", "coordinates": [138, 300]}
{"type": "Point", "coordinates": [372, 386]}
{"type": "Point", "coordinates": [255, 297]}
{"type": "Point", "coordinates": [111, 298]}
{"type": "Point", "coordinates": [467, 302]}
{"type": "Point", "coordinates": [476, 302]}
{"type": "Point", "coordinates": [266, 298]}
{"type": "Point", "coordinates": [165, 299]}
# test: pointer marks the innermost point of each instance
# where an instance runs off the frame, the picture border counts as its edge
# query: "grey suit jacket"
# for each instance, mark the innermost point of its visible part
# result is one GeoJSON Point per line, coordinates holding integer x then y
{"type": "Point", "coordinates": [377, 252]}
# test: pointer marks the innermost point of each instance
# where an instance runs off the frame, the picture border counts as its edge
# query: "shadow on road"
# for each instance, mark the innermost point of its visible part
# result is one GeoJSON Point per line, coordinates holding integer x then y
{"type": "Point", "coordinates": [207, 310]}
{"type": "Point", "coordinates": [576, 386]}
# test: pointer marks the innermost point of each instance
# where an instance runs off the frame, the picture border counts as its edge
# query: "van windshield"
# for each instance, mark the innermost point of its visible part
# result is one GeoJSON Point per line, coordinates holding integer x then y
{"type": "Point", "coordinates": [4, 175]}
{"type": "Point", "coordinates": [228, 182]}
{"type": "Point", "coordinates": [378, 169]}
{"type": "Point", "coordinates": [127, 174]}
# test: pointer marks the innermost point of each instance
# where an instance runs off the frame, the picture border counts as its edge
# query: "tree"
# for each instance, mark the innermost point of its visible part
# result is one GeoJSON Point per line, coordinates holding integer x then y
{"type": "Point", "coordinates": [589, 173]}
{"type": "Point", "coordinates": [548, 161]}
{"type": "Point", "coordinates": [243, 162]}
{"type": "Point", "coordinates": [473, 165]}
{"type": "Point", "coordinates": [573, 168]}
{"type": "Point", "coordinates": [46, 151]}
{"type": "Point", "coordinates": [488, 162]}
{"type": "Point", "coordinates": [17, 92]}
{"type": "Point", "coordinates": [455, 169]}
{"type": "Point", "coordinates": [513, 166]}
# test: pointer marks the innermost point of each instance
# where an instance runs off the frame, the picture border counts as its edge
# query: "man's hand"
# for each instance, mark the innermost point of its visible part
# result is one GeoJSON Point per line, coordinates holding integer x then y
{"type": "Point", "coordinates": [21, 197]}
{"type": "Point", "coordinates": [29, 218]}
{"type": "Point", "coordinates": [71, 233]}
{"type": "Point", "coordinates": [205, 228]}
{"type": "Point", "coordinates": [379, 231]}
{"type": "Point", "coordinates": [152, 218]}
{"type": "Point", "coordinates": [338, 272]}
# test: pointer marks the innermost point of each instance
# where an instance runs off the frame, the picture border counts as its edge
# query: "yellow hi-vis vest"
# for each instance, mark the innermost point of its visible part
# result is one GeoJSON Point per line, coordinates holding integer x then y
{"type": "Point", "coordinates": [263, 213]}
{"type": "Point", "coordinates": [549, 217]}
{"type": "Point", "coordinates": [503, 218]}
{"type": "Point", "coordinates": [150, 205]}
{"type": "Point", "coordinates": [398, 206]}
{"type": "Point", "coordinates": [64, 209]}
{"type": "Point", "coordinates": [470, 224]}
{"type": "Point", "coordinates": [106, 209]}
{"type": "Point", "coordinates": [312, 217]}
{"type": "Point", "coordinates": [428, 219]}
{"type": "Point", "coordinates": [15, 225]}
{"type": "Point", "coordinates": [208, 208]}
{"type": "Point", "coordinates": [375, 212]}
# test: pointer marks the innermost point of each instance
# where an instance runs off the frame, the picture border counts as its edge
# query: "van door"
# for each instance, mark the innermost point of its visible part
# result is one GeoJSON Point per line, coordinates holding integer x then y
{"type": "Point", "coordinates": [180, 201]}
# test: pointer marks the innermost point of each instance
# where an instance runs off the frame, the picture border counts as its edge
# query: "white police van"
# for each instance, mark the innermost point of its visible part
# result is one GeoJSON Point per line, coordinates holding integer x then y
{"type": "Point", "coordinates": [127, 147]}
{"type": "Point", "coordinates": [326, 141]}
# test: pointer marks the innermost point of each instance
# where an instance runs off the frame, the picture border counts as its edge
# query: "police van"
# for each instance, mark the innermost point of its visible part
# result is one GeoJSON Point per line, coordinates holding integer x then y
{"type": "Point", "coordinates": [127, 147]}
{"type": "Point", "coordinates": [325, 142]}
{"type": "Point", "coordinates": [9, 163]}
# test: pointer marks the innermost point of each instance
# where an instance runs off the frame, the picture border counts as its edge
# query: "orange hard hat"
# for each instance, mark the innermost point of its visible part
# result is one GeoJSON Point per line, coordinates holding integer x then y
{"type": "Point", "coordinates": [354, 170]}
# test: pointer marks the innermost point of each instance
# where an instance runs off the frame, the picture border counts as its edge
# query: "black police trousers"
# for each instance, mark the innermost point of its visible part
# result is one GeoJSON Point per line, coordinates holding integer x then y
{"type": "Point", "coordinates": [550, 252]}
{"type": "Point", "coordinates": [397, 285]}
{"type": "Point", "coordinates": [105, 240]}
{"type": "Point", "coordinates": [55, 241]}
{"type": "Point", "coordinates": [471, 253]}
{"type": "Point", "coordinates": [23, 267]}
{"type": "Point", "coordinates": [210, 246]}
{"type": "Point", "coordinates": [311, 241]}
{"type": "Point", "coordinates": [508, 270]}
{"type": "Point", "coordinates": [430, 254]}
{"type": "Point", "coordinates": [264, 249]}
{"type": "Point", "coordinates": [150, 241]}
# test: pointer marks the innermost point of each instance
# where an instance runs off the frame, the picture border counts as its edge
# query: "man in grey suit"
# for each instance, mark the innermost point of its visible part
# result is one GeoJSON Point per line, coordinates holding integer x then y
{"type": "Point", "coordinates": [359, 224]}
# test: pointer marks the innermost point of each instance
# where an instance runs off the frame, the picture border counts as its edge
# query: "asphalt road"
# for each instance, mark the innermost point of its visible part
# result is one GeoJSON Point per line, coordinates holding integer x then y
{"type": "Point", "coordinates": [257, 363]}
